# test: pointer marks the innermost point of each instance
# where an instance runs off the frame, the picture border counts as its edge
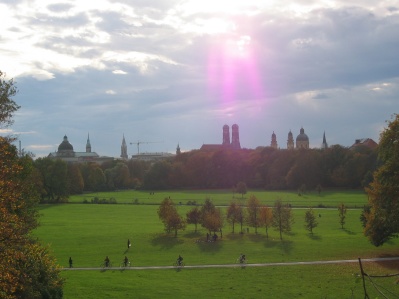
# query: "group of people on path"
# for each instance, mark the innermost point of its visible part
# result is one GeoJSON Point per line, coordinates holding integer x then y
{"type": "Point", "coordinates": [107, 261]}
{"type": "Point", "coordinates": [125, 262]}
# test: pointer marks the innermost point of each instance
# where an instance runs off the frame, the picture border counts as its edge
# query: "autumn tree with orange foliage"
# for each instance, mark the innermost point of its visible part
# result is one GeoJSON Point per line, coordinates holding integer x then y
{"type": "Point", "coordinates": [27, 270]}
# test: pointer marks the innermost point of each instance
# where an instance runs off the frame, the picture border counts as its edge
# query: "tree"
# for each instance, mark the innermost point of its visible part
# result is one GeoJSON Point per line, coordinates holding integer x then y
{"type": "Point", "coordinates": [194, 217]}
{"type": "Point", "coordinates": [54, 179]}
{"type": "Point", "coordinates": [241, 188]}
{"type": "Point", "coordinates": [211, 217]}
{"type": "Point", "coordinates": [342, 214]}
{"type": "Point", "coordinates": [253, 206]}
{"type": "Point", "coordinates": [171, 219]}
{"type": "Point", "coordinates": [266, 218]}
{"type": "Point", "coordinates": [75, 179]}
{"type": "Point", "coordinates": [282, 217]}
{"type": "Point", "coordinates": [7, 105]}
{"type": "Point", "coordinates": [27, 270]}
{"type": "Point", "coordinates": [213, 221]}
{"type": "Point", "coordinates": [234, 214]}
{"type": "Point", "coordinates": [310, 220]}
{"type": "Point", "coordinates": [96, 178]}
{"type": "Point", "coordinates": [381, 220]}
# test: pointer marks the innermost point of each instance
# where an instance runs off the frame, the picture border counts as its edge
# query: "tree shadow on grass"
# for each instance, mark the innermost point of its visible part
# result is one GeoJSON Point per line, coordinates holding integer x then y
{"type": "Point", "coordinates": [314, 237]}
{"type": "Point", "coordinates": [193, 234]}
{"type": "Point", "coordinates": [284, 245]}
{"type": "Point", "coordinates": [256, 237]}
{"type": "Point", "coordinates": [210, 246]}
{"type": "Point", "coordinates": [166, 241]}
{"type": "Point", "coordinates": [349, 232]}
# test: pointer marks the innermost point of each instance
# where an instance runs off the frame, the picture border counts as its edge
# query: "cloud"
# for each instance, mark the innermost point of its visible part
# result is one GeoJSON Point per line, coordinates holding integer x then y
{"type": "Point", "coordinates": [142, 68]}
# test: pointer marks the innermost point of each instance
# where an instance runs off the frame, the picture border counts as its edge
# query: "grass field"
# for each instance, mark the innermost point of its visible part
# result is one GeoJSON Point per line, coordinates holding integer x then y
{"type": "Point", "coordinates": [328, 198]}
{"type": "Point", "coordinates": [89, 232]}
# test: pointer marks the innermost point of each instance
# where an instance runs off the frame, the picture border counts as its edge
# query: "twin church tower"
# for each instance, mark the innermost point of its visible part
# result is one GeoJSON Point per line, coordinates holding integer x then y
{"type": "Point", "coordinates": [301, 141]}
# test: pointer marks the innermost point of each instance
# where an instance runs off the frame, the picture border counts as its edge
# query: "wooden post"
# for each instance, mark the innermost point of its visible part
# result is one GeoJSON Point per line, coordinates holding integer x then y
{"type": "Point", "coordinates": [364, 283]}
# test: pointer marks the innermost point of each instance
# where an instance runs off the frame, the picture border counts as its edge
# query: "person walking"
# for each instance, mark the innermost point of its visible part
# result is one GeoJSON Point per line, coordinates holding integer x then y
{"type": "Point", "coordinates": [128, 244]}
{"type": "Point", "coordinates": [70, 262]}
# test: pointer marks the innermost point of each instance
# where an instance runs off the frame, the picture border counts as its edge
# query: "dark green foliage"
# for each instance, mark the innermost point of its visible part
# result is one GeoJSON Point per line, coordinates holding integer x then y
{"type": "Point", "coordinates": [380, 218]}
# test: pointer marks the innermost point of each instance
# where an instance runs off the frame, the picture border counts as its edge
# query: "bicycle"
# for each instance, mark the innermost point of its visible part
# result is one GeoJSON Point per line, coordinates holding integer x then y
{"type": "Point", "coordinates": [179, 264]}
{"type": "Point", "coordinates": [241, 261]}
{"type": "Point", "coordinates": [102, 265]}
{"type": "Point", "coordinates": [124, 265]}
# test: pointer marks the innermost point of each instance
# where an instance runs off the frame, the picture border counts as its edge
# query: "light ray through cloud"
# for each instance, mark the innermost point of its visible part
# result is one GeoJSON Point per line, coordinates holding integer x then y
{"type": "Point", "coordinates": [157, 69]}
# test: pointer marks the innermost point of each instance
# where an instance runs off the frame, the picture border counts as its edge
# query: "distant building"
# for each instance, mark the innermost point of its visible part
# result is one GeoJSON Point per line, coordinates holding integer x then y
{"type": "Point", "coordinates": [302, 140]}
{"type": "Point", "coordinates": [226, 144]}
{"type": "Point", "coordinates": [324, 145]}
{"type": "Point", "coordinates": [273, 144]}
{"type": "Point", "coordinates": [66, 153]}
{"type": "Point", "coordinates": [367, 142]}
{"type": "Point", "coordinates": [178, 151]}
{"type": "Point", "coordinates": [124, 149]}
{"type": "Point", "coordinates": [290, 141]}
{"type": "Point", "coordinates": [152, 156]}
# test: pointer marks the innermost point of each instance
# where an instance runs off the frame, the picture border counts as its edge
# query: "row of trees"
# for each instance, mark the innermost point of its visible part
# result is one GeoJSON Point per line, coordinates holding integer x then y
{"type": "Point", "coordinates": [253, 214]}
{"type": "Point", "coordinates": [27, 270]}
{"type": "Point", "coordinates": [260, 168]}
{"type": "Point", "coordinates": [211, 217]}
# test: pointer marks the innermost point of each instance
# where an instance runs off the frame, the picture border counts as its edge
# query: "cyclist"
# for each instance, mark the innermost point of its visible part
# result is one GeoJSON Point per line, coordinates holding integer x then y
{"type": "Point", "coordinates": [106, 261]}
{"type": "Point", "coordinates": [242, 258]}
{"type": "Point", "coordinates": [125, 261]}
{"type": "Point", "coordinates": [179, 260]}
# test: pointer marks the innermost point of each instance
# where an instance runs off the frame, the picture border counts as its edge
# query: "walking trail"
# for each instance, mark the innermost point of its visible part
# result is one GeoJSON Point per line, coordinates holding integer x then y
{"type": "Point", "coordinates": [236, 265]}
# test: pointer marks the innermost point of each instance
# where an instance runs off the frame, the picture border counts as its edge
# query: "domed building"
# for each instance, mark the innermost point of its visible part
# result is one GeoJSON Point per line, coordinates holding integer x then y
{"type": "Point", "coordinates": [302, 140]}
{"type": "Point", "coordinates": [65, 149]}
{"type": "Point", "coordinates": [66, 153]}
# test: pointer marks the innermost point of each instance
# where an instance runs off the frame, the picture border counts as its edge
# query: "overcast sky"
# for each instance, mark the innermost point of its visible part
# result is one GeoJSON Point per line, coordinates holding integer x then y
{"type": "Point", "coordinates": [174, 72]}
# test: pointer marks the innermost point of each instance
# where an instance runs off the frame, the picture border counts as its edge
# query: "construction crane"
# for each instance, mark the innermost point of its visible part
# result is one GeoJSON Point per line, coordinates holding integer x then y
{"type": "Point", "coordinates": [142, 142]}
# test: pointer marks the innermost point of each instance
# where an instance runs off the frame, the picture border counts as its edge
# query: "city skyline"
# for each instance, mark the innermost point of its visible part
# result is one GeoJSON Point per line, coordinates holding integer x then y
{"type": "Point", "coordinates": [174, 72]}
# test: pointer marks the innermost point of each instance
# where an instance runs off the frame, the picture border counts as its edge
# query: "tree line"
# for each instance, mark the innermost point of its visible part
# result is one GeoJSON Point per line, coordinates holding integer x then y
{"type": "Point", "coordinates": [252, 214]}
{"type": "Point", "coordinates": [263, 167]}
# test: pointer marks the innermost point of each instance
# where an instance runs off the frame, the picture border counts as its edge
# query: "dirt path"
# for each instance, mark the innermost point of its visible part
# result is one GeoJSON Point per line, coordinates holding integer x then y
{"type": "Point", "coordinates": [236, 265]}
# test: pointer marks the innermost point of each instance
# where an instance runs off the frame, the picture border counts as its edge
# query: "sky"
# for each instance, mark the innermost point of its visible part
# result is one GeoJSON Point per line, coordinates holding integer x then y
{"type": "Point", "coordinates": [168, 72]}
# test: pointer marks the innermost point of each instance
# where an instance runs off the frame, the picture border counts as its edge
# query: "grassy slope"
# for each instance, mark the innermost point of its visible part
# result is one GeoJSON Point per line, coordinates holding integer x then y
{"type": "Point", "coordinates": [89, 232]}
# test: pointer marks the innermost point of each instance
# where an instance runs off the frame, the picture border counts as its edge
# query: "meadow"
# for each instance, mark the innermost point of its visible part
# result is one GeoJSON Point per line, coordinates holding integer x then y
{"type": "Point", "coordinates": [89, 232]}
{"type": "Point", "coordinates": [328, 198]}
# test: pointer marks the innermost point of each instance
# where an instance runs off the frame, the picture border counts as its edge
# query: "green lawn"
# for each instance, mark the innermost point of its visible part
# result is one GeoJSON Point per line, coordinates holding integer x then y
{"type": "Point", "coordinates": [89, 232]}
{"type": "Point", "coordinates": [328, 198]}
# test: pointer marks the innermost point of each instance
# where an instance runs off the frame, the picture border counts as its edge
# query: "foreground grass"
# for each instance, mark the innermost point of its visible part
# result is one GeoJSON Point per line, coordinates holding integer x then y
{"type": "Point", "coordinates": [88, 233]}
{"type": "Point", "coordinates": [316, 281]}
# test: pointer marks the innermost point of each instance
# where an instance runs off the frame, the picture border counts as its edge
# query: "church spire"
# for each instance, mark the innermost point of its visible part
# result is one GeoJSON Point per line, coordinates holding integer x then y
{"type": "Point", "coordinates": [124, 148]}
{"type": "Point", "coordinates": [88, 145]}
{"type": "Point", "coordinates": [324, 144]}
